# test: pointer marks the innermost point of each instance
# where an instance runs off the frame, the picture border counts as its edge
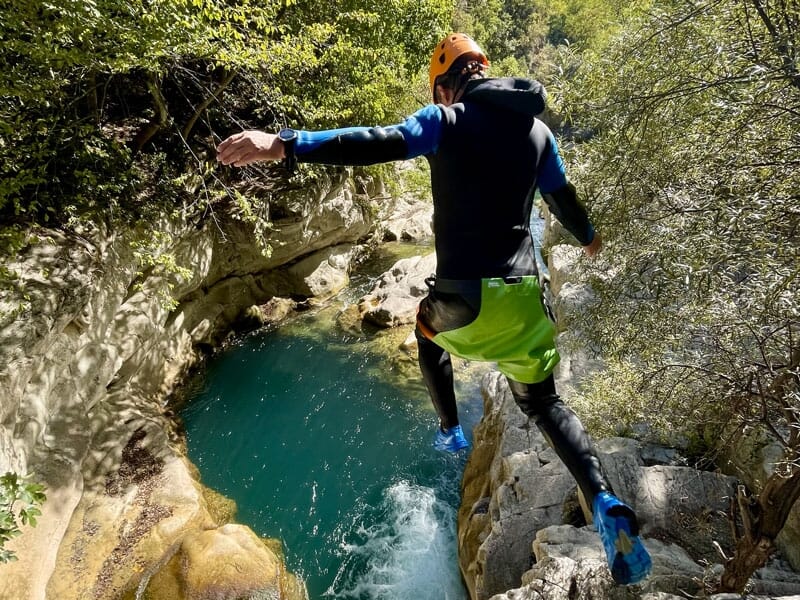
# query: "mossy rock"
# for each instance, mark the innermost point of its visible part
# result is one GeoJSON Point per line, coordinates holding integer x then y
{"type": "Point", "coordinates": [221, 508]}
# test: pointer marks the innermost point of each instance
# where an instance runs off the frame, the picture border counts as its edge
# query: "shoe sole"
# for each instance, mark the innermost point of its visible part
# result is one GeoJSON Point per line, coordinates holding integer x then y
{"type": "Point", "coordinates": [450, 449]}
{"type": "Point", "coordinates": [631, 563]}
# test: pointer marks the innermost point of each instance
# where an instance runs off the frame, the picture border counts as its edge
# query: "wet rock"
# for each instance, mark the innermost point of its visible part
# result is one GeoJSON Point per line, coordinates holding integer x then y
{"type": "Point", "coordinates": [277, 309]}
{"type": "Point", "coordinates": [250, 319]}
{"type": "Point", "coordinates": [225, 563]}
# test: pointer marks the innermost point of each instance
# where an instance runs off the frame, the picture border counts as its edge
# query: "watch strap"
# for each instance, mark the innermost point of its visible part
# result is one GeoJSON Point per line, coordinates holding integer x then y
{"type": "Point", "coordinates": [289, 139]}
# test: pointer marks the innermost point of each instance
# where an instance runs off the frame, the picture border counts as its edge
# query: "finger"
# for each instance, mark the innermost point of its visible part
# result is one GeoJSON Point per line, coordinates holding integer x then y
{"type": "Point", "coordinates": [231, 154]}
{"type": "Point", "coordinates": [223, 153]}
{"type": "Point", "coordinates": [226, 142]}
{"type": "Point", "coordinates": [246, 159]}
{"type": "Point", "coordinates": [224, 156]}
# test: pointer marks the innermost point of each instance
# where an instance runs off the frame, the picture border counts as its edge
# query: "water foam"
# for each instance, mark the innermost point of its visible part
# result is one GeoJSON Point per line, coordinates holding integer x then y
{"type": "Point", "coordinates": [408, 554]}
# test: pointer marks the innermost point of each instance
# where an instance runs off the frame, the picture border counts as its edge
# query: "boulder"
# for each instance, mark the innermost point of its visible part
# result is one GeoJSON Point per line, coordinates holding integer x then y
{"type": "Point", "coordinates": [277, 309]}
{"type": "Point", "coordinates": [223, 563]}
{"type": "Point", "coordinates": [324, 273]}
{"type": "Point", "coordinates": [407, 215]}
{"type": "Point", "coordinates": [411, 221]}
{"type": "Point", "coordinates": [394, 299]}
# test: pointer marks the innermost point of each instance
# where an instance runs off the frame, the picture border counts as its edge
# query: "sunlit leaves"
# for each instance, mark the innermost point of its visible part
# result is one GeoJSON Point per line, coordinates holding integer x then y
{"type": "Point", "coordinates": [20, 503]}
{"type": "Point", "coordinates": [692, 173]}
{"type": "Point", "coordinates": [88, 83]}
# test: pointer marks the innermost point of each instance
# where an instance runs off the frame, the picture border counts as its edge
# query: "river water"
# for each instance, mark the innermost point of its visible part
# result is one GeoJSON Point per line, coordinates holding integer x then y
{"type": "Point", "coordinates": [323, 438]}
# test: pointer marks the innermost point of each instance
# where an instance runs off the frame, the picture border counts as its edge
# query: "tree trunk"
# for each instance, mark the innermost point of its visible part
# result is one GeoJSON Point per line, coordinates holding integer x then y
{"type": "Point", "coordinates": [763, 520]}
{"type": "Point", "coordinates": [160, 118]}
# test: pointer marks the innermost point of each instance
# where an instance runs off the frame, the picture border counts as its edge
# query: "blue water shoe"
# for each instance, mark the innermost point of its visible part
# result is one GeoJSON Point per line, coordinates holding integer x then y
{"type": "Point", "coordinates": [616, 523]}
{"type": "Point", "coordinates": [450, 440]}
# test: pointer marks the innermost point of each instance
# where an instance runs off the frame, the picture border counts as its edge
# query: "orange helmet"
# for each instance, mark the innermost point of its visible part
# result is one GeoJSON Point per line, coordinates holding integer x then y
{"type": "Point", "coordinates": [448, 50]}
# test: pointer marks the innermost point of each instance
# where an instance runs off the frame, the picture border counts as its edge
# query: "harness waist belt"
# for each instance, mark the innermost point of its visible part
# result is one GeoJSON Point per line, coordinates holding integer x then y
{"type": "Point", "coordinates": [465, 286]}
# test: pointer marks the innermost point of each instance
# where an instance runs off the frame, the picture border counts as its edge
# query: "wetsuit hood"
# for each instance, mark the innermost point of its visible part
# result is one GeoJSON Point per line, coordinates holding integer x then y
{"type": "Point", "coordinates": [511, 93]}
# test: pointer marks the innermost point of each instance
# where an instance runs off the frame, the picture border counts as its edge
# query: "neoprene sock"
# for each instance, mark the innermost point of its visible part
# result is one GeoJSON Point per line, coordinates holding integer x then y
{"type": "Point", "coordinates": [437, 371]}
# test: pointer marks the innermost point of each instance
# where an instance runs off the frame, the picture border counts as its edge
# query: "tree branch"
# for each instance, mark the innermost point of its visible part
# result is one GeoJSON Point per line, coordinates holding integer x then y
{"type": "Point", "coordinates": [159, 120]}
{"type": "Point", "coordinates": [187, 129]}
{"type": "Point", "coordinates": [781, 44]}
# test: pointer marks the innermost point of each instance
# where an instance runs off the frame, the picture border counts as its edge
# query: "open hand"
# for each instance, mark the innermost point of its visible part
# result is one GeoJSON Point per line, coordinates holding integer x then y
{"type": "Point", "coordinates": [248, 147]}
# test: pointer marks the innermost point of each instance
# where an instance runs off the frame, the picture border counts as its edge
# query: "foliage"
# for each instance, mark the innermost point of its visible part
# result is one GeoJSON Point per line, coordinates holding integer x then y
{"type": "Point", "coordinates": [527, 31]}
{"type": "Point", "coordinates": [693, 179]}
{"type": "Point", "coordinates": [20, 501]}
{"type": "Point", "coordinates": [692, 176]}
{"type": "Point", "coordinates": [93, 86]}
{"type": "Point", "coordinates": [155, 259]}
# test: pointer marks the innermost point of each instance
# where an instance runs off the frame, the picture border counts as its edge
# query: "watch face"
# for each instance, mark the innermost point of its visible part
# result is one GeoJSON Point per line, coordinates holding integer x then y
{"type": "Point", "coordinates": [287, 135]}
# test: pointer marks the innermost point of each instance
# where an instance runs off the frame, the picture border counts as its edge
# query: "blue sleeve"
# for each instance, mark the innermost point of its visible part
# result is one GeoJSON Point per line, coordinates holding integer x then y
{"type": "Point", "coordinates": [418, 134]}
{"type": "Point", "coordinates": [552, 174]}
{"type": "Point", "coordinates": [422, 131]}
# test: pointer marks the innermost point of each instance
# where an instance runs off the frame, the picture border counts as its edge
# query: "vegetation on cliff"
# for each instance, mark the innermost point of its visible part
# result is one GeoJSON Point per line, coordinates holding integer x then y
{"type": "Point", "coordinates": [692, 174]}
{"type": "Point", "coordinates": [107, 106]}
{"type": "Point", "coordinates": [20, 500]}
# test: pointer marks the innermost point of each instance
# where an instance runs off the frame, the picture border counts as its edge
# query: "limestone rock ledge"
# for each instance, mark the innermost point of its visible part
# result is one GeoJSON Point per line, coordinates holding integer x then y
{"type": "Point", "coordinates": [522, 532]}
{"type": "Point", "coordinates": [91, 344]}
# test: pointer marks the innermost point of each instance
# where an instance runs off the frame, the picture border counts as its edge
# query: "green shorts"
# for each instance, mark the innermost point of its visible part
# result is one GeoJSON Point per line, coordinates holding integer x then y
{"type": "Point", "coordinates": [511, 329]}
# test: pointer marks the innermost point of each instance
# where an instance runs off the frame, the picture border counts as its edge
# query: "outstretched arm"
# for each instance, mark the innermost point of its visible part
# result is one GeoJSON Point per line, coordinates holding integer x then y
{"type": "Point", "coordinates": [417, 135]}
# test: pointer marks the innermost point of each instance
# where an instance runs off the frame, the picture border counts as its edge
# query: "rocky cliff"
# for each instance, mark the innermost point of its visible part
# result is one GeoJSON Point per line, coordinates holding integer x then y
{"type": "Point", "coordinates": [98, 328]}
{"type": "Point", "coordinates": [523, 531]}
{"type": "Point", "coordinates": [524, 534]}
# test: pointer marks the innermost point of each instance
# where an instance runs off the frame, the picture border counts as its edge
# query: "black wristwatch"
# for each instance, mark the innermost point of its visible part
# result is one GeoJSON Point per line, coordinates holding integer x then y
{"type": "Point", "coordinates": [289, 138]}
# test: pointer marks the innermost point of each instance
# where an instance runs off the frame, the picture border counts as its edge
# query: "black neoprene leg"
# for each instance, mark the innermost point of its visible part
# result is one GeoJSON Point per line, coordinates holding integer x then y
{"type": "Point", "coordinates": [564, 431]}
{"type": "Point", "coordinates": [437, 371]}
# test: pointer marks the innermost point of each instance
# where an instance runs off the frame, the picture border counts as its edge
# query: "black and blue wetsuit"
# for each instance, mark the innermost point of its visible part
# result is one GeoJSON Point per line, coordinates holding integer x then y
{"type": "Point", "coordinates": [488, 155]}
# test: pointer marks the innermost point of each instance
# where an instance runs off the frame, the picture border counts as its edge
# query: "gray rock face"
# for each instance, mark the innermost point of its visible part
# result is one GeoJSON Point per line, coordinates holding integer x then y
{"type": "Point", "coordinates": [517, 495]}
{"type": "Point", "coordinates": [411, 221]}
{"type": "Point", "coordinates": [408, 216]}
{"type": "Point", "coordinates": [394, 299]}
